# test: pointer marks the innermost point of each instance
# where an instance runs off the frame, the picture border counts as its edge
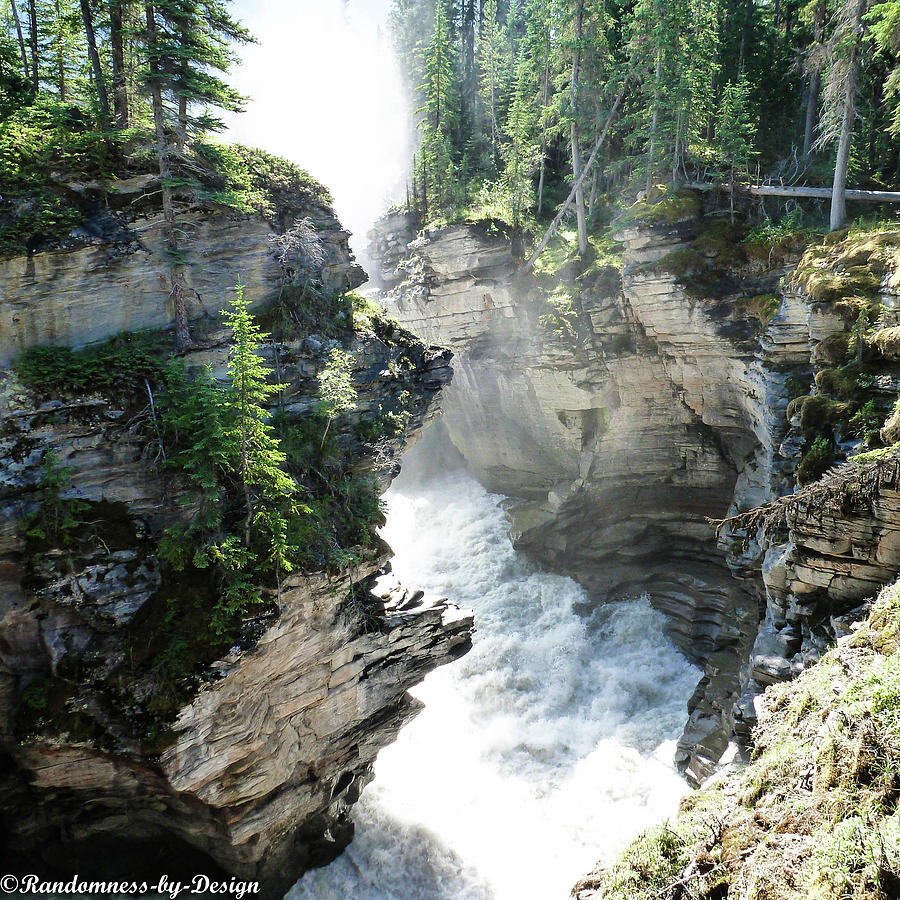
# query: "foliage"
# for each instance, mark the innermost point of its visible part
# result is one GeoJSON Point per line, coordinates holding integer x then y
{"type": "Point", "coordinates": [57, 519]}
{"type": "Point", "coordinates": [40, 144]}
{"type": "Point", "coordinates": [252, 180]}
{"type": "Point", "coordinates": [124, 362]}
{"type": "Point", "coordinates": [816, 460]}
{"type": "Point", "coordinates": [225, 443]}
{"type": "Point", "coordinates": [337, 394]}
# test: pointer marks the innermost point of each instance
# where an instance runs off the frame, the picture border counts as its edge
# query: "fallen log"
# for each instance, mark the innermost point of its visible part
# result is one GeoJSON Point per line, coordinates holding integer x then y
{"type": "Point", "coordinates": [584, 172]}
{"type": "Point", "coordinates": [774, 190]}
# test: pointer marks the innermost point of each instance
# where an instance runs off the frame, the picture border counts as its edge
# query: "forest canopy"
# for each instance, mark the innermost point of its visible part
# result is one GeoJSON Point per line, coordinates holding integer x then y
{"type": "Point", "coordinates": [511, 96]}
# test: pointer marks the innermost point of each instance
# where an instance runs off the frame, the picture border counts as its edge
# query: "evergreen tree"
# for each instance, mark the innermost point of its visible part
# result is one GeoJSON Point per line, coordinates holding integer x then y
{"type": "Point", "coordinates": [491, 59]}
{"type": "Point", "coordinates": [438, 115]}
{"type": "Point", "coordinates": [520, 151]}
{"type": "Point", "coordinates": [814, 60]}
{"type": "Point", "coordinates": [735, 128]}
{"type": "Point", "coordinates": [253, 449]}
{"type": "Point", "coordinates": [186, 42]}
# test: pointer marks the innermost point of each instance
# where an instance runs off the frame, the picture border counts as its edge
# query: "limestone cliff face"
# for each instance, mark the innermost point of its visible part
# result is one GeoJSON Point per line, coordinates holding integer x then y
{"type": "Point", "coordinates": [82, 295]}
{"type": "Point", "coordinates": [255, 773]}
{"type": "Point", "coordinates": [660, 401]}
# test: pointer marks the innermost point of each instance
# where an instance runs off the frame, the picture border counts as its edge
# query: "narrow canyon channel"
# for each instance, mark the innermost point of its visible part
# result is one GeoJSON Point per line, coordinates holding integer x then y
{"type": "Point", "coordinates": [551, 741]}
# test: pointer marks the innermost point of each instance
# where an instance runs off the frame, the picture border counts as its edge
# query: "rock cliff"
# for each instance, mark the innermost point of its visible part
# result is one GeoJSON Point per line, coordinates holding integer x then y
{"type": "Point", "coordinates": [645, 397]}
{"type": "Point", "coordinates": [247, 763]}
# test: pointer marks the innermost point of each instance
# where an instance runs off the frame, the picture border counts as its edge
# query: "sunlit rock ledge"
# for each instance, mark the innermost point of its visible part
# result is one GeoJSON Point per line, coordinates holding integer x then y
{"type": "Point", "coordinates": [256, 775]}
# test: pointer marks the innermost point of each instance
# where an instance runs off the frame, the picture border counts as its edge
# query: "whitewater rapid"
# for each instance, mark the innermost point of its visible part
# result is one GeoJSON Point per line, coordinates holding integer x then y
{"type": "Point", "coordinates": [546, 747]}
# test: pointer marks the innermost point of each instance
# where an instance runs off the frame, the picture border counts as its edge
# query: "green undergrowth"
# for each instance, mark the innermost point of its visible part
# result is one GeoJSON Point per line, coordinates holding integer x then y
{"type": "Point", "coordinates": [43, 146]}
{"type": "Point", "coordinates": [721, 252]}
{"type": "Point", "coordinates": [55, 159]}
{"type": "Point", "coordinates": [123, 363]}
{"type": "Point", "coordinates": [312, 507]}
{"type": "Point", "coordinates": [252, 180]}
{"type": "Point", "coordinates": [815, 815]}
{"type": "Point", "coordinates": [562, 277]}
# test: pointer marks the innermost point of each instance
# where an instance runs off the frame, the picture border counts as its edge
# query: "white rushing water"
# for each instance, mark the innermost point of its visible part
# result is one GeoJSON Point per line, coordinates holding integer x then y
{"type": "Point", "coordinates": [548, 746]}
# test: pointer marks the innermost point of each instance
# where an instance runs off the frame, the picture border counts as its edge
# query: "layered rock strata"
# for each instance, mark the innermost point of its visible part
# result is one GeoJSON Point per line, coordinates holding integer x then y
{"type": "Point", "coordinates": [654, 401]}
{"type": "Point", "coordinates": [255, 774]}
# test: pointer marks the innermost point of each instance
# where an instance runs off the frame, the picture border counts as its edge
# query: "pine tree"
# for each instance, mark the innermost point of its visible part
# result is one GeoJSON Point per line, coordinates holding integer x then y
{"type": "Point", "coordinates": [87, 17]}
{"type": "Point", "coordinates": [814, 60]}
{"type": "Point", "coordinates": [735, 128]}
{"type": "Point", "coordinates": [21, 38]}
{"type": "Point", "coordinates": [186, 42]}
{"type": "Point", "coordinates": [253, 449]}
{"type": "Point", "coordinates": [337, 393]}
{"type": "Point", "coordinates": [118, 16]}
{"type": "Point", "coordinates": [491, 52]}
{"type": "Point", "coordinates": [438, 114]}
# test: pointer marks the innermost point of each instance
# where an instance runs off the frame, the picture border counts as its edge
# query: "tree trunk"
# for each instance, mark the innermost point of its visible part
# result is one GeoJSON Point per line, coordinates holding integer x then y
{"type": "Point", "coordinates": [99, 83]}
{"type": "Point", "coordinates": [812, 107]}
{"type": "Point", "coordinates": [838, 199]}
{"type": "Point", "coordinates": [60, 55]}
{"type": "Point", "coordinates": [21, 37]}
{"type": "Point", "coordinates": [654, 123]}
{"type": "Point", "coordinates": [182, 332]}
{"type": "Point", "coordinates": [576, 155]}
{"type": "Point", "coordinates": [117, 42]}
{"type": "Point", "coordinates": [33, 29]}
{"type": "Point", "coordinates": [545, 96]}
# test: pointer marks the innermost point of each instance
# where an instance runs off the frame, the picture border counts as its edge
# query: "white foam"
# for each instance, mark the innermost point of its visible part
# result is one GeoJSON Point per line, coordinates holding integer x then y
{"type": "Point", "coordinates": [548, 746]}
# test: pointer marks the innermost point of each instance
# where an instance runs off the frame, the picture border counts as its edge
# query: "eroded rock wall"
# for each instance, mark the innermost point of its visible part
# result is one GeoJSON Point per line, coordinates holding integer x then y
{"type": "Point", "coordinates": [255, 773]}
{"type": "Point", "coordinates": [660, 402]}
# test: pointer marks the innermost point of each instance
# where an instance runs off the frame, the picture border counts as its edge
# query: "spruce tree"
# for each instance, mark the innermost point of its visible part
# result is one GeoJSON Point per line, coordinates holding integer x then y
{"type": "Point", "coordinates": [438, 114]}
{"type": "Point", "coordinates": [735, 127]}
{"type": "Point", "coordinates": [520, 150]}
{"type": "Point", "coordinates": [186, 42]}
{"type": "Point", "coordinates": [252, 447]}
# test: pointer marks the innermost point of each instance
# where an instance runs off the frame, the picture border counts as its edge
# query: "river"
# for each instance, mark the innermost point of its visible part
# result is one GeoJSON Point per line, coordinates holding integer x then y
{"type": "Point", "coordinates": [546, 747]}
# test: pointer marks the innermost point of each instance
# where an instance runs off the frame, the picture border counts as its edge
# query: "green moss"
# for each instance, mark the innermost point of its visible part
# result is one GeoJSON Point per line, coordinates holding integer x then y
{"type": "Point", "coordinates": [681, 263]}
{"type": "Point", "coordinates": [886, 342]}
{"type": "Point", "coordinates": [721, 241]}
{"type": "Point", "coordinates": [834, 349]}
{"type": "Point", "coordinates": [663, 208]}
{"type": "Point", "coordinates": [817, 411]}
{"type": "Point", "coordinates": [763, 307]}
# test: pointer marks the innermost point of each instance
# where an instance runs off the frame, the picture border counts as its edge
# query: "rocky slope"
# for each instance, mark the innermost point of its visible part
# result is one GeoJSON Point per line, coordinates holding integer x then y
{"type": "Point", "coordinates": [247, 764]}
{"type": "Point", "coordinates": [645, 396]}
{"type": "Point", "coordinates": [814, 814]}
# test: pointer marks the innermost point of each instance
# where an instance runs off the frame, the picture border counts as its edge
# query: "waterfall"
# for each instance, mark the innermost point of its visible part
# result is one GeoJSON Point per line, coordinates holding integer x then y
{"type": "Point", "coordinates": [547, 746]}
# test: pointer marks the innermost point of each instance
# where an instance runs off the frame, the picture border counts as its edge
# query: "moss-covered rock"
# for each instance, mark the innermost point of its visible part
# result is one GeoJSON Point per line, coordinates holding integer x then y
{"type": "Point", "coordinates": [815, 814]}
{"type": "Point", "coordinates": [887, 342]}
{"type": "Point", "coordinates": [662, 208]}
